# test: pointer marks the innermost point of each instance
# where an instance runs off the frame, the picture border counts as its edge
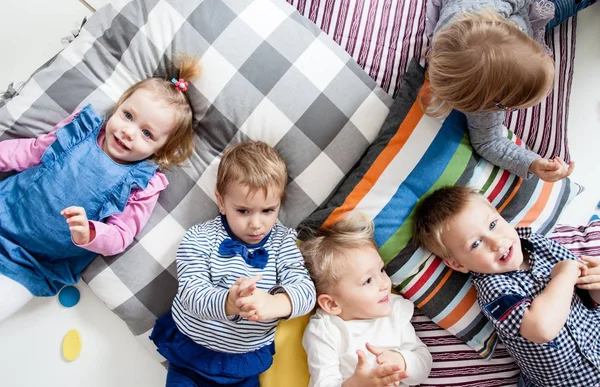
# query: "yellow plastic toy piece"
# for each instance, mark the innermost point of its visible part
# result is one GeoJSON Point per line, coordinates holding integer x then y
{"type": "Point", "coordinates": [71, 345]}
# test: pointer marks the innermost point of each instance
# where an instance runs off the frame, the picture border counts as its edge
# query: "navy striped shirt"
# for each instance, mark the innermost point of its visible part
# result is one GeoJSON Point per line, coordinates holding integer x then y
{"type": "Point", "coordinates": [205, 278]}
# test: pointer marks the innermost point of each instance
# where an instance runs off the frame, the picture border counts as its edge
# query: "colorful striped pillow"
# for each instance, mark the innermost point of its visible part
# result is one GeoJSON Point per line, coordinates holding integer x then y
{"type": "Point", "coordinates": [413, 155]}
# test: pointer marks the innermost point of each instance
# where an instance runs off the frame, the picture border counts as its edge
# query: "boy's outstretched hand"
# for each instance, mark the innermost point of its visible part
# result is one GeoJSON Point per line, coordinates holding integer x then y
{"type": "Point", "coordinates": [551, 170]}
{"type": "Point", "coordinates": [380, 375]}
{"type": "Point", "coordinates": [79, 225]}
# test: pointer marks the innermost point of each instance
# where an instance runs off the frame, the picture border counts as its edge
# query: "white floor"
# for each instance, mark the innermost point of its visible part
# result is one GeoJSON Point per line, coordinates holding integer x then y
{"type": "Point", "coordinates": [30, 32]}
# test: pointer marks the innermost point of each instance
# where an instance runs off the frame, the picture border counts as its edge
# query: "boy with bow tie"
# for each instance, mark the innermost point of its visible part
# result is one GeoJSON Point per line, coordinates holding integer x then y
{"type": "Point", "coordinates": [238, 275]}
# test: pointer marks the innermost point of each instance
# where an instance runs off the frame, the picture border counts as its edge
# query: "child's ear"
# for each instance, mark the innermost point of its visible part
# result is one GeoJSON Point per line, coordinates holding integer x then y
{"type": "Point", "coordinates": [455, 265]}
{"type": "Point", "coordinates": [328, 304]}
{"type": "Point", "coordinates": [220, 202]}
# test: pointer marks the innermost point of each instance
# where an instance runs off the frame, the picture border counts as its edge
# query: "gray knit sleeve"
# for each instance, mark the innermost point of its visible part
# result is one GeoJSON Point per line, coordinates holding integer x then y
{"type": "Point", "coordinates": [485, 130]}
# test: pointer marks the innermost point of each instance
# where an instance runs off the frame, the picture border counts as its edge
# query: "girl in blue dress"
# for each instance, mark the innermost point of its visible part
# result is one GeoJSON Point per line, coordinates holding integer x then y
{"type": "Point", "coordinates": [89, 186]}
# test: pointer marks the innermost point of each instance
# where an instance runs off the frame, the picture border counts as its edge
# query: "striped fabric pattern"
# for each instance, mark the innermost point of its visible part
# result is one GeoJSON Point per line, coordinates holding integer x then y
{"type": "Point", "coordinates": [384, 35]}
{"type": "Point", "coordinates": [584, 240]}
{"type": "Point", "coordinates": [456, 364]}
{"type": "Point", "coordinates": [414, 155]}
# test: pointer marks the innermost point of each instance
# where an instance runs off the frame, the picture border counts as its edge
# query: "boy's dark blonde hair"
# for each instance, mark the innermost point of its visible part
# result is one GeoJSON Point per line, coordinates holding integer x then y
{"type": "Point", "coordinates": [435, 211]}
{"type": "Point", "coordinates": [180, 144]}
{"type": "Point", "coordinates": [253, 164]}
{"type": "Point", "coordinates": [327, 249]}
{"type": "Point", "coordinates": [482, 59]}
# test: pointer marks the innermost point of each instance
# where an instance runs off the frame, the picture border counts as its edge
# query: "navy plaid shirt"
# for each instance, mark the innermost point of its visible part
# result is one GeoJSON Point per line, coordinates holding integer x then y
{"type": "Point", "coordinates": [573, 357]}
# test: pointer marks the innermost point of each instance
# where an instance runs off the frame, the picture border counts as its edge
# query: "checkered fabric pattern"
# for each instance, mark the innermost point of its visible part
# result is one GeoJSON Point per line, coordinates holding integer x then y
{"type": "Point", "coordinates": [573, 357]}
{"type": "Point", "coordinates": [268, 74]}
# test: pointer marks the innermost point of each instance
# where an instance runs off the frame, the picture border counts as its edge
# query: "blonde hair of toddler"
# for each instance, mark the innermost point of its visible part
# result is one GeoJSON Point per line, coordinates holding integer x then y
{"type": "Point", "coordinates": [484, 62]}
{"type": "Point", "coordinates": [329, 247]}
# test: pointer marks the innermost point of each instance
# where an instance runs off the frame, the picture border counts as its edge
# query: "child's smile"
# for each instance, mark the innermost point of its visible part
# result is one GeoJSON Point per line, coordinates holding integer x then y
{"type": "Point", "coordinates": [140, 126]}
{"type": "Point", "coordinates": [480, 240]}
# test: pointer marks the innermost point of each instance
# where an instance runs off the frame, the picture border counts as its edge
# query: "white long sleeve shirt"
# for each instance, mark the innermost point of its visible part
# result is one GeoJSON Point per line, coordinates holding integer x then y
{"type": "Point", "coordinates": [331, 344]}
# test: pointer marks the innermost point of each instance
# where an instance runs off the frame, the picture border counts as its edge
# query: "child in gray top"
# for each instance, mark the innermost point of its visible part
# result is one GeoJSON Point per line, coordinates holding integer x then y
{"type": "Point", "coordinates": [483, 62]}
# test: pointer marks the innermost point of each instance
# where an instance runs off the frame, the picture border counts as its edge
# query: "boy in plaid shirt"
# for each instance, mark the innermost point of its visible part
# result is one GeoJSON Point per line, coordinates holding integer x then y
{"type": "Point", "coordinates": [525, 286]}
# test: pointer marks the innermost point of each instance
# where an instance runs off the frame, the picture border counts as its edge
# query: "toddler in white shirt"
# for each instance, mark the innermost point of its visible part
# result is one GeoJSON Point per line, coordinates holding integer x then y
{"type": "Point", "coordinates": [361, 334]}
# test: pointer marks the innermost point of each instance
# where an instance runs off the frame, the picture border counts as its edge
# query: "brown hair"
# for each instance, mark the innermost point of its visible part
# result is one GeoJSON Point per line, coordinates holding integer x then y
{"type": "Point", "coordinates": [180, 144]}
{"type": "Point", "coordinates": [328, 248]}
{"type": "Point", "coordinates": [435, 211]}
{"type": "Point", "coordinates": [253, 164]}
{"type": "Point", "coordinates": [481, 59]}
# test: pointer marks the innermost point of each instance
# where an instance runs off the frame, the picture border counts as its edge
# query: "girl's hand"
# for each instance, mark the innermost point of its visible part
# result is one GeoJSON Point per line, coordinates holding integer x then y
{"type": "Point", "coordinates": [242, 287]}
{"type": "Point", "coordinates": [263, 306]}
{"type": "Point", "coordinates": [551, 170]}
{"type": "Point", "coordinates": [387, 356]}
{"type": "Point", "coordinates": [380, 375]}
{"type": "Point", "coordinates": [79, 225]}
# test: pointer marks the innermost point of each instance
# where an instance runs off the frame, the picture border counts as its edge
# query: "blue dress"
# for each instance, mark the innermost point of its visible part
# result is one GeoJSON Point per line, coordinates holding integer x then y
{"type": "Point", "coordinates": [36, 249]}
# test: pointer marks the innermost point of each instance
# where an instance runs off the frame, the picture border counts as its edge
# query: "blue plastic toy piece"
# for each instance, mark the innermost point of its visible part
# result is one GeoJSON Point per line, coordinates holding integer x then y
{"type": "Point", "coordinates": [594, 218]}
{"type": "Point", "coordinates": [68, 296]}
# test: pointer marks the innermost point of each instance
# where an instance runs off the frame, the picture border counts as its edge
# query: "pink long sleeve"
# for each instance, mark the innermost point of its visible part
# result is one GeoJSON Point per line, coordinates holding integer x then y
{"type": "Point", "coordinates": [115, 234]}
{"type": "Point", "coordinates": [23, 153]}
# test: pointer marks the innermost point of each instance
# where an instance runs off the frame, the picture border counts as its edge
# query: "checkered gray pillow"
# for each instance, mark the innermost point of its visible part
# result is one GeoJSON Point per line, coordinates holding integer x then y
{"type": "Point", "coordinates": [268, 74]}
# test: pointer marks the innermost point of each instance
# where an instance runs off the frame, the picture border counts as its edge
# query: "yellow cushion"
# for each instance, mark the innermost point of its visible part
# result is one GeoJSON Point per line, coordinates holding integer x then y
{"type": "Point", "coordinates": [290, 368]}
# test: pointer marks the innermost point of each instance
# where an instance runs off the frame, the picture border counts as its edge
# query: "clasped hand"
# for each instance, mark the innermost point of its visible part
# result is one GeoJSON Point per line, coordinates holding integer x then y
{"type": "Point", "coordinates": [248, 301]}
{"type": "Point", "coordinates": [590, 280]}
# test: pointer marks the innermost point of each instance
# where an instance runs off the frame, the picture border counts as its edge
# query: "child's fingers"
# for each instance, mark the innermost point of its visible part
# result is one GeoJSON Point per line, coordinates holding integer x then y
{"type": "Point", "coordinates": [373, 349]}
{"type": "Point", "coordinates": [590, 261]}
{"type": "Point", "coordinates": [589, 282]}
{"type": "Point", "coordinates": [248, 307]}
{"type": "Point", "coordinates": [73, 210]}
{"type": "Point", "coordinates": [77, 220]}
{"type": "Point", "coordinates": [247, 291]}
{"type": "Point", "coordinates": [550, 165]}
{"type": "Point", "coordinates": [250, 281]}
{"type": "Point", "coordinates": [570, 168]}
{"type": "Point", "coordinates": [388, 374]}
{"type": "Point", "coordinates": [563, 169]}
{"type": "Point", "coordinates": [249, 315]}
{"type": "Point", "coordinates": [362, 358]}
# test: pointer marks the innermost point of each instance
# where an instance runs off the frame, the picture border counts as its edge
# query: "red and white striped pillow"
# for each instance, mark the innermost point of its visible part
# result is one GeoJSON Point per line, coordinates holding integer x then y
{"type": "Point", "coordinates": [384, 35]}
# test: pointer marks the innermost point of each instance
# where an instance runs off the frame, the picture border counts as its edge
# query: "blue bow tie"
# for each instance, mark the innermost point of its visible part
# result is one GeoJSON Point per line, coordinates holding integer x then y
{"type": "Point", "coordinates": [231, 248]}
